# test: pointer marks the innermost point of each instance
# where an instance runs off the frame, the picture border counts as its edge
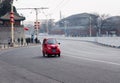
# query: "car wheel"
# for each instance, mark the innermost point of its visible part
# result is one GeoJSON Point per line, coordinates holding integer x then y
{"type": "Point", "coordinates": [48, 55]}
{"type": "Point", "coordinates": [43, 54]}
{"type": "Point", "coordinates": [58, 55]}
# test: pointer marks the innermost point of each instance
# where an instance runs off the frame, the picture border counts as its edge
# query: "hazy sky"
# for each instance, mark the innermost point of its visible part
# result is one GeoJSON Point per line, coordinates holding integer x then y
{"type": "Point", "coordinates": [67, 7]}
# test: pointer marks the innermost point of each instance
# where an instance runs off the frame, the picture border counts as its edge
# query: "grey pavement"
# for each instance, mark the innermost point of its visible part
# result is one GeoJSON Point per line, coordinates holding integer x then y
{"type": "Point", "coordinates": [80, 62]}
{"type": "Point", "coordinates": [13, 74]}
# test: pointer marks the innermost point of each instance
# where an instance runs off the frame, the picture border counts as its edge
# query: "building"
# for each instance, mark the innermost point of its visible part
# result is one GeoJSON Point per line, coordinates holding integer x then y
{"type": "Point", "coordinates": [5, 25]}
{"type": "Point", "coordinates": [77, 25]}
{"type": "Point", "coordinates": [86, 24]}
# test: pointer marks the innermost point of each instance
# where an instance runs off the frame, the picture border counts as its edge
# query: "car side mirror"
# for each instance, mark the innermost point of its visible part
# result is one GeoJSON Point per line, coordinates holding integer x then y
{"type": "Point", "coordinates": [59, 43]}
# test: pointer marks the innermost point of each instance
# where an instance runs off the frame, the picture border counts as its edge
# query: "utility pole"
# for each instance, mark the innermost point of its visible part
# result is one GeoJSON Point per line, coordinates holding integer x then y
{"type": "Point", "coordinates": [47, 21]}
{"type": "Point", "coordinates": [47, 30]}
{"type": "Point", "coordinates": [36, 22]}
{"type": "Point", "coordinates": [99, 26]}
{"type": "Point", "coordinates": [65, 27]}
{"type": "Point", "coordinates": [37, 26]}
{"type": "Point", "coordinates": [90, 27]}
{"type": "Point", "coordinates": [12, 23]}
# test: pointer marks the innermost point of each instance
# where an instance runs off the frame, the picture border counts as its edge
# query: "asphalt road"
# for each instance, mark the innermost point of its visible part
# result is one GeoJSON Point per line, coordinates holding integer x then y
{"type": "Point", "coordinates": [80, 62]}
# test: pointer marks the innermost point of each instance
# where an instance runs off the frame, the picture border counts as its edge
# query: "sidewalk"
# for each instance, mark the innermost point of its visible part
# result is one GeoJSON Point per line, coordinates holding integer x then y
{"type": "Point", "coordinates": [5, 46]}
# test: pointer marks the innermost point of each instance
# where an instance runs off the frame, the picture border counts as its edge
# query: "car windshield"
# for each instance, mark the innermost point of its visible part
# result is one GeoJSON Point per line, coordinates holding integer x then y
{"type": "Point", "coordinates": [51, 41]}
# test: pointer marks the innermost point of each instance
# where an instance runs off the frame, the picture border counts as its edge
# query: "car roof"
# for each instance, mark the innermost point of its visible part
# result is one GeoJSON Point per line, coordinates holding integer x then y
{"type": "Point", "coordinates": [49, 38]}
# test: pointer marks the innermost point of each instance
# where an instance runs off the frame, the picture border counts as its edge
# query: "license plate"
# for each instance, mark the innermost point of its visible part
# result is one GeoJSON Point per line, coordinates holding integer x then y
{"type": "Point", "coordinates": [53, 50]}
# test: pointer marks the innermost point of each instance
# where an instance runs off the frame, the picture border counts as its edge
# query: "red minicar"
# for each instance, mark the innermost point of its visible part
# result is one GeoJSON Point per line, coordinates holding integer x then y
{"type": "Point", "coordinates": [50, 47]}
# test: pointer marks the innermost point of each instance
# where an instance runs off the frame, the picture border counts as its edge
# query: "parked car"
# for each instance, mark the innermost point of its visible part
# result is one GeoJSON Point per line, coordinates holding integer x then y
{"type": "Point", "coordinates": [50, 46]}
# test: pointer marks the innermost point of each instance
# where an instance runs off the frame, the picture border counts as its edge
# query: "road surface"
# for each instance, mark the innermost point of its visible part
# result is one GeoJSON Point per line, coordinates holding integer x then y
{"type": "Point", "coordinates": [80, 62]}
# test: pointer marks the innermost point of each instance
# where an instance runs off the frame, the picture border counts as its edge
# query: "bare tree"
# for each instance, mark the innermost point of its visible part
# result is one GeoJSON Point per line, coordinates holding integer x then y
{"type": "Point", "coordinates": [99, 22]}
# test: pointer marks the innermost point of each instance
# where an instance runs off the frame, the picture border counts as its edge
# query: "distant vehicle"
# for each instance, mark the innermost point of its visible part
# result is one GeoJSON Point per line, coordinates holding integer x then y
{"type": "Point", "coordinates": [50, 46]}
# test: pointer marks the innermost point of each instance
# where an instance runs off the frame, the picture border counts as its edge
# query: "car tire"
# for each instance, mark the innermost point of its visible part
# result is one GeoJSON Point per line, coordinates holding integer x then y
{"type": "Point", "coordinates": [58, 55]}
{"type": "Point", "coordinates": [48, 55]}
{"type": "Point", "coordinates": [43, 54]}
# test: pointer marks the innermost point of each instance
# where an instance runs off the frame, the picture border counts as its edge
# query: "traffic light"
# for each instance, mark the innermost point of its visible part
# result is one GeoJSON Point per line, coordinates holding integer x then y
{"type": "Point", "coordinates": [12, 17]}
{"type": "Point", "coordinates": [37, 25]}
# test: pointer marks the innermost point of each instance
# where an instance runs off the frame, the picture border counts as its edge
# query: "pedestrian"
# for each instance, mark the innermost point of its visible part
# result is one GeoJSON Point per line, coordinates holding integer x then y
{"type": "Point", "coordinates": [27, 40]}
{"type": "Point", "coordinates": [21, 41]}
{"type": "Point", "coordinates": [18, 40]}
{"type": "Point", "coordinates": [9, 41]}
{"type": "Point", "coordinates": [36, 40]}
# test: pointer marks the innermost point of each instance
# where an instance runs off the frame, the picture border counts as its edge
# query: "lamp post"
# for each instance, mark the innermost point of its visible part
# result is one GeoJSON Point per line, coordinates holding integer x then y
{"type": "Point", "coordinates": [36, 23]}
{"type": "Point", "coordinates": [47, 21]}
{"type": "Point", "coordinates": [12, 23]}
{"type": "Point", "coordinates": [65, 27]}
{"type": "Point", "coordinates": [90, 28]}
{"type": "Point", "coordinates": [99, 26]}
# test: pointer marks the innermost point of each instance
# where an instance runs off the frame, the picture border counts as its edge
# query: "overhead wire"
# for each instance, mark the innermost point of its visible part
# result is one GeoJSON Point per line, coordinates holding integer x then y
{"type": "Point", "coordinates": [65, 3]}
{"type": "Point", "coordinates": [54, 9]}
{"type": "Point", "coordinates": [57, 7]}
{"type": "Point", "coordinates": [61, 5]}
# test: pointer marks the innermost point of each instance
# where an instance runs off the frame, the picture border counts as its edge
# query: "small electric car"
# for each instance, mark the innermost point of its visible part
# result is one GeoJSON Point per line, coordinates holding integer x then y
{"type": "Point", "coordinates": [50, 47]}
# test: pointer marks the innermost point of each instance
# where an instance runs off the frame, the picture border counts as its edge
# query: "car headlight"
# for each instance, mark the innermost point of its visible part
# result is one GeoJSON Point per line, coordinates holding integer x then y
{"type": "Point", "coordinates": [49, 48]}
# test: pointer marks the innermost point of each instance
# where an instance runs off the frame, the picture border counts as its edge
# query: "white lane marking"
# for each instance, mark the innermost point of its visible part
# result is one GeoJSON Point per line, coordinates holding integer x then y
{"type": "Point", "coordinates": [101, 61]}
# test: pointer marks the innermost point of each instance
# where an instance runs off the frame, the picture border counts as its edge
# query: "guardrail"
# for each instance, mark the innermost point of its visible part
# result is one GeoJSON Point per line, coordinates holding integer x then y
{"type": "Point", "coordinates": [107, 41]}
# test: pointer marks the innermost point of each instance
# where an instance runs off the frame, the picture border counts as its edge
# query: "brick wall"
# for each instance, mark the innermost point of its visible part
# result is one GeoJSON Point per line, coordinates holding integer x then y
{"type": "Point", "coordinates": [5, 33]}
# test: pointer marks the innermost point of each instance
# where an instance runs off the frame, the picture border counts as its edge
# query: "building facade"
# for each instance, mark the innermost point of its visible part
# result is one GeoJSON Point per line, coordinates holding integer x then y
{"type": "Point", "coordinates": [5, 24]}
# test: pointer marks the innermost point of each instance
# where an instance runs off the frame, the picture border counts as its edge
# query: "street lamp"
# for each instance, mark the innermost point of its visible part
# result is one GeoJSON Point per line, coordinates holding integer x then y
{"type": "Point", "coordinates": [65, 27]}
{"type": "Point", "coordinates": [47, 21]}
{"type": "Point", "coordinates": [99, 26]}
{"type": "Point", "coordinates": [90, 27]}
{"type": "Point", "coordinates": [37, 23]}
